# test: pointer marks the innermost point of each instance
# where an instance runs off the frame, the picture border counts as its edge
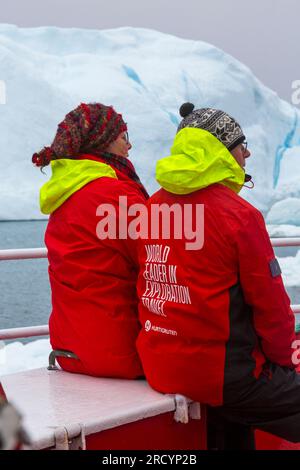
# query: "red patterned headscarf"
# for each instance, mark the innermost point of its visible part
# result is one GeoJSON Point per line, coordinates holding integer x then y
{"type": "Point", "coordinates": [89, 127]}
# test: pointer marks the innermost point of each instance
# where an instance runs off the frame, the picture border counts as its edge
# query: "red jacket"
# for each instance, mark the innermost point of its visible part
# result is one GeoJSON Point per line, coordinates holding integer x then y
{"type": "Point", "coordinates": [224, 312]}
{"type": "Point", "coordinates": [93, 281]}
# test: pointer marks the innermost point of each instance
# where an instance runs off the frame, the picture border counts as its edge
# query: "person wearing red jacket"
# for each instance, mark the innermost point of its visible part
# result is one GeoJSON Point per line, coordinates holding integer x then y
{"type": "Point", "coordinates": [217, 325]}
{"type": "Point", "coordinates": [93, 278]}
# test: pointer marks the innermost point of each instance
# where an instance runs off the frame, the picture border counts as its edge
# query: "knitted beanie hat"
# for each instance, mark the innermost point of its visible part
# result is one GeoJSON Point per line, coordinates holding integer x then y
{"type": "Point", "coordinates": [88, 127]}
{"type": "Point", "coordinates": [217, 122]}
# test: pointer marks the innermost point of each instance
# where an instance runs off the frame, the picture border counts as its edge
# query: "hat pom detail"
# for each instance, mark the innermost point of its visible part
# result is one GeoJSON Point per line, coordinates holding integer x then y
{"type": "Point", "coordinates": [186, 109]}
{"type": "Point", "coordinates": [42, 158]}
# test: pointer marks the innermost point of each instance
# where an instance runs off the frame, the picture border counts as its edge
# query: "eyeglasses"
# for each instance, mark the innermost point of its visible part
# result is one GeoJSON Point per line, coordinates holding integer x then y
{"type": "Point", "coordinates": [244, 146]}
{"type": "Point", "coordinates": [126, 137]}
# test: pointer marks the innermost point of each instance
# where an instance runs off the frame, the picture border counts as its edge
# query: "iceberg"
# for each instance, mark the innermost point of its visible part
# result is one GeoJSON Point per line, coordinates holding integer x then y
{"type": "Point", "coordinates": [16, 356]}
{"type": "Point", "coordinates": [146, 75]}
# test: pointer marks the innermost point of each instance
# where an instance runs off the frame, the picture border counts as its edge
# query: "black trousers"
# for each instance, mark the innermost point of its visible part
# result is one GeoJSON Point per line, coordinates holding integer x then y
{"type": "Point", "coordinates": [271, 403]}
{"type": "Point", "coordinates": [223, 434]}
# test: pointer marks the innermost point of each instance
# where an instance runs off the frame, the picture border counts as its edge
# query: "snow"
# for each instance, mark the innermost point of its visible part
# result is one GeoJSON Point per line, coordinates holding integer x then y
{"type": "Point", "coordinates": [290, 267]}
{"type": "Point", "coordinates": [16, 357]}
{"type": "Point", "coordinates": [286, 212]}
{"type": "Point", "coordinates": [283, 230]}
{"type": "Point", "coordinates": [146, 75]}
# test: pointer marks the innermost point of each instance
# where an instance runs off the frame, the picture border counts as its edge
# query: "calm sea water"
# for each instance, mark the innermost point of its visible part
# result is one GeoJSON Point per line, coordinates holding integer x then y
{"type": "Point", "coordinates": [25, 293]}
{"type": "Point", "coordinates": [24, 287]}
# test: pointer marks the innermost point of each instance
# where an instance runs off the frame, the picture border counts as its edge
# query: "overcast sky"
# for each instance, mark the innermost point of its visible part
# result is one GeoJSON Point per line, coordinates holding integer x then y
{"type": "Point", "coordinates": [264, 34]}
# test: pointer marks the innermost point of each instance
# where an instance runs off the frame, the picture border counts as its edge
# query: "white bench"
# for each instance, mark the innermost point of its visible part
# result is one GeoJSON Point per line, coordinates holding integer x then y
{"type": "Point", "coordinates": [71, 411]}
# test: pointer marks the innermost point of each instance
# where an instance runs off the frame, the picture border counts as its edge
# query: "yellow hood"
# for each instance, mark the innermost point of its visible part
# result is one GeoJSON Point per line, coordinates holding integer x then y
{"type": "Point", "coordinates": [68, 176]}
{"type": "Point", "coordinates": [198, 159]}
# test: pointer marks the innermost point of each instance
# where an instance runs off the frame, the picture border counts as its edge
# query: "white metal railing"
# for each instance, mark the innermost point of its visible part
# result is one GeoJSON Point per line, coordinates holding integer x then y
{"type": "Point", "coordinates": [24, 332]}
{"type": "Point", "coordinates": [34, 253]}
{"type": "Point", "coordinates": [292, 241]}
{"type": "Point", "coordinates": [26, 253]}
{"type": "Point", "coordinates": [30, 331]}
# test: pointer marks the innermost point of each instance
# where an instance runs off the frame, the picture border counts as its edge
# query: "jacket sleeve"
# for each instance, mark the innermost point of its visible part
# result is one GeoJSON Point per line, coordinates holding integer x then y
{"type": "Point", "coordinates": [261, 281]}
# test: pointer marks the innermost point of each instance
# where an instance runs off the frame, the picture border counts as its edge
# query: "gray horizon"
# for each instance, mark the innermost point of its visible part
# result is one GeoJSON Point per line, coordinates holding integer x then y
{"type": "Point", "coordinates": [263, 35]}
